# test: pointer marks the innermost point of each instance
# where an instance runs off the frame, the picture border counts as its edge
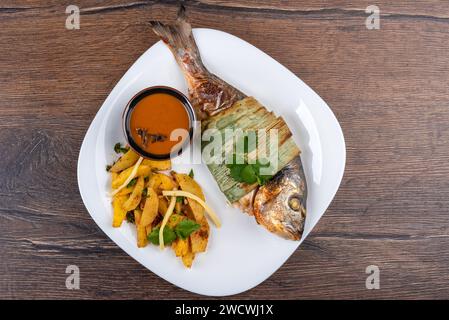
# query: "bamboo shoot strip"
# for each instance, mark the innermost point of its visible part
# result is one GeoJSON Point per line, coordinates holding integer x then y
{"type": "Point", "coordinates": [213, 216]}
{"type": "Point", "coordinates": [165, 220]}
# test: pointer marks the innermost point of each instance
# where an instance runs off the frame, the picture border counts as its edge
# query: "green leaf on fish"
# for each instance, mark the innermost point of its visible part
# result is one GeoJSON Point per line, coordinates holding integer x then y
{"type": "Point", "coordinates": [249, 173]}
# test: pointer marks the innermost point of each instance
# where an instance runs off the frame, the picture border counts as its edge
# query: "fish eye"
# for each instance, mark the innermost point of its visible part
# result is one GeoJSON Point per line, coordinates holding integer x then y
{"type": "Point", "coordinates": [294, 202]}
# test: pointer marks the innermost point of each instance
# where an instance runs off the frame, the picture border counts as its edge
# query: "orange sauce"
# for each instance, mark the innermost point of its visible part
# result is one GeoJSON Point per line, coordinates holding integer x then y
{"type": "Point", "coordinates": [153, 120]}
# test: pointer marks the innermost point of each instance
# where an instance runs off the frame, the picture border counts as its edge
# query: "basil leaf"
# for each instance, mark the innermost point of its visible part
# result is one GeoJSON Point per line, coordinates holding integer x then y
{"type": "Point", "coordinates": [168, 234]}
{"type": "Point", "coordinates": [184, 228]}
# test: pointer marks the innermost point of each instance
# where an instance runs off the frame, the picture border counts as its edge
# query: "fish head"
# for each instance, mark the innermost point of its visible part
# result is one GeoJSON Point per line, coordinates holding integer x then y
{"type": "Point", "coordinates": [280, 204]}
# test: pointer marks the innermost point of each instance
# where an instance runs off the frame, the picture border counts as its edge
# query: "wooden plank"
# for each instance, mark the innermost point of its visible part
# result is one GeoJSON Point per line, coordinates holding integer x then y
{"type": "Point", "coordinates": [431, 9]}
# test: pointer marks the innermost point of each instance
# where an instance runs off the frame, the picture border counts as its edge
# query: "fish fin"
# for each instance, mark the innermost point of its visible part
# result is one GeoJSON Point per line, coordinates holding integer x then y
{"type": "Point", "coordinates": [179, 38]}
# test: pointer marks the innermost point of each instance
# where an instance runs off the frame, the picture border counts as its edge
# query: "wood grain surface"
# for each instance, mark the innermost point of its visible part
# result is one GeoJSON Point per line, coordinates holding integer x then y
{"type": "Point", "coordinates": [387, 87]}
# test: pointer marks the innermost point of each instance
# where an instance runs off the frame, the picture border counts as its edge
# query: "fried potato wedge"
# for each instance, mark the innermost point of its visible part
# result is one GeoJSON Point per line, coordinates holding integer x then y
{"type": "Point", "coordinates": [200, 238]}
{"type": "Point", "coordinates": [151, 194]}
{"type": "Point", "coordinates": [187, 259]}
{"type": "Point", "coordinates": [135, 197]}
{"type": "Point", "coordinates": [158, 165]}
{"type": "Point", "coordinates": [160, 181]}
{"type": "Point", "coordinates": [154, 182]}
{"type": "Point", "coordinates": [142, 171]}
{"type": "Point", "coordinates": [178, 206]}
{"type": "Point", "coordinates": [167, 183]}
{"type": "Point", "coordinates": [142, 239]}
{"type": "Point", "coordinates": [114, 175]}
{"type": "Point", "coordinates": [163, 206]}
{"type": "Point", "coordinates": [150, 209]}
{"type": "Point", "coordinates": [137, 216]}
{"type": "Point", "coordinates": [119, 212]}
{"type": "Point", "coordinates": [125, 162]}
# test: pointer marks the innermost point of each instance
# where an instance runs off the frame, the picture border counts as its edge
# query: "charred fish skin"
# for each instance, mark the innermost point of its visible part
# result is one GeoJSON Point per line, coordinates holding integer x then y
{"type": "Point", "coordinates": [280, 204]}
{"type": "Point", "coordinates": [208, 94]}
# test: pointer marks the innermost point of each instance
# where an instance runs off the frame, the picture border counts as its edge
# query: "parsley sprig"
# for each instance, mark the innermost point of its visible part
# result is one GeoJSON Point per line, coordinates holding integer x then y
{"type": "Point", "coordinates": [249, 173]}
{"type": "Point", "coordinates": [182, 230]}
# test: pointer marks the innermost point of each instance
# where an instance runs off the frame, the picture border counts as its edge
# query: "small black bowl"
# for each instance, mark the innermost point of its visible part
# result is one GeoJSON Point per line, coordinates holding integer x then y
{"type": "Point", "coordinates": [135, 100]}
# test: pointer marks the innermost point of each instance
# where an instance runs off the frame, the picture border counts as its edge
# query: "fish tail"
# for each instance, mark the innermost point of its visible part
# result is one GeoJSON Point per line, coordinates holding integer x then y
{"type": "Point", "coordinates": [179, 38]}
{"type": "Point", "coordinates": [208, 93]}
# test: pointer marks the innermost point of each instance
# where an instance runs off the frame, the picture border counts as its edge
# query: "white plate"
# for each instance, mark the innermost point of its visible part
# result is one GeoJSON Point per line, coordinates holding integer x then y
{"type": "Point", "coordinates": [241, 254]}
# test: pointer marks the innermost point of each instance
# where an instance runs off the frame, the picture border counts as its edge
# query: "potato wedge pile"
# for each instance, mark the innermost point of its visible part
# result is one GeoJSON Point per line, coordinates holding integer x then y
{"type": "Point", "coordinates": [141, 202]}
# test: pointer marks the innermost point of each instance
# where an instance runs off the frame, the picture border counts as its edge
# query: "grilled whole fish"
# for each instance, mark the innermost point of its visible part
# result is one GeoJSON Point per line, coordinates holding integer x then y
{"type": "Point", "coordinates": [280, 204]}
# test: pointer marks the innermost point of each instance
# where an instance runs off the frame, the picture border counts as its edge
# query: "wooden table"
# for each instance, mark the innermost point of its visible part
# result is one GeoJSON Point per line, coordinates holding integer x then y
{"type": "Point", "coordinates": [387, 87]}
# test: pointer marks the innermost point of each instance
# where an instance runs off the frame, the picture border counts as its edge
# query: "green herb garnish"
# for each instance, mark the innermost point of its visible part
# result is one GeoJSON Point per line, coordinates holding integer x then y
{"type": "Point", "coordinates": [168, 234]}
{"type": "Point", "coordinates": [184, 228]}
{"type": "Point", "coordinates": [248, 173]}
{"type": "Point", "coordinates": [182, 231]}
{"type": "Point", "coordinates": [179, 199]}
{"type": "Point", "coordinates": [144, 192]}
{"type": "Point", "coordinates": [130, 217]}
{"type": "Point", "coordinates": [119, 149]}
{"type": "Point", "coordinates": [191, 174]}
{"type": "Point", "coordinates": [131, 183]}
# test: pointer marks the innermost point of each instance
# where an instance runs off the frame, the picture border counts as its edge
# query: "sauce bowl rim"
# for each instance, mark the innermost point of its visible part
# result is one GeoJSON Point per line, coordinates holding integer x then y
{"type": "Point", "coordinates": [146, 92]}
